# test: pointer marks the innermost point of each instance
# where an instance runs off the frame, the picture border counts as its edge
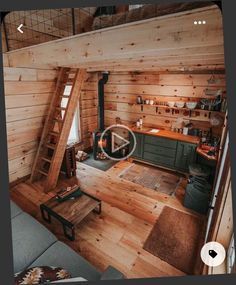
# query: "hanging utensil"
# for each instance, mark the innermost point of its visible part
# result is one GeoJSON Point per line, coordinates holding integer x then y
{"type": "Point", "coordinates": [213, 92]}
{"type": "Point", "coordinates": [213, 79]}
{"type": "Point", "coordinates": [211, 103]}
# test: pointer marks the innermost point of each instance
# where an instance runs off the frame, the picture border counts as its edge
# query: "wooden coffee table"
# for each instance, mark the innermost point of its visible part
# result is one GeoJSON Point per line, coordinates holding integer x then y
{"type": "Point", "coordinates": [70, 212]}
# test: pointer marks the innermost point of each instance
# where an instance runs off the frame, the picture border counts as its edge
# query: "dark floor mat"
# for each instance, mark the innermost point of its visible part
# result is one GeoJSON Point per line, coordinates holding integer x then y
{"type": "Point", "coordinates": [103, 165]}
{"type": "Point", "coordinates": [175, 239]}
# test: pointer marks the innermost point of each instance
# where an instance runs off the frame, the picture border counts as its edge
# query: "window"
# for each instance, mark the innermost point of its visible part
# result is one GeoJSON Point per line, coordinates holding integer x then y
{"type": "Point", "coordinates": [132, 7]}
{"type": "Point", "coordinates": [231, 256]}
{"type": "Point", "coordinates": [74, 136]}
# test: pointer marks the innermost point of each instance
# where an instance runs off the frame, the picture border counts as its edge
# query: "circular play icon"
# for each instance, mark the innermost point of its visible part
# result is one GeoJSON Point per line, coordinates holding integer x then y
{"type": "Point", "coordinates": [123, 142]}
{"type": "Point", "coordinates": [213, 254]}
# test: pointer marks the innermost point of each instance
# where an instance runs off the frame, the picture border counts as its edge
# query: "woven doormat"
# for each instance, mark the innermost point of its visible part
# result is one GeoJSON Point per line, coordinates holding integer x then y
{"type": "Point", "coordinates": [152, 177]}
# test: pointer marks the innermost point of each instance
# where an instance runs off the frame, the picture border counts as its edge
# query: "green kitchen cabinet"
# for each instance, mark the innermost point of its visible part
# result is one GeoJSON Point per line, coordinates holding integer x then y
{"type": "Point", "coordinates": [159, 151]}
{"type": "Point", "coordinates": [173, 154]}
{"type": "Point", "coordinates": [138, 151]}
{"type": "Point", "coordinates": [186, 155]}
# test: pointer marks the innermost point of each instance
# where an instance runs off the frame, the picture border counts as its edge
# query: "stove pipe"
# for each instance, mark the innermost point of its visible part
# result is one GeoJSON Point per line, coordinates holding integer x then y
{"type": "Point", "coordinates": [101, 84]}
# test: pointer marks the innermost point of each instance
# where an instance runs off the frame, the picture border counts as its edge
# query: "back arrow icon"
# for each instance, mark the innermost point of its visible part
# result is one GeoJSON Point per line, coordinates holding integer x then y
{"type": "Point", "coordinates": [19, 28]}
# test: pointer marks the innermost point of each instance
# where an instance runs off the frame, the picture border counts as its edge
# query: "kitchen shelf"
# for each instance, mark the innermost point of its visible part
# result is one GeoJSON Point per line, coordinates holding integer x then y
{"type": "Point", "coordinates": [176, 108]}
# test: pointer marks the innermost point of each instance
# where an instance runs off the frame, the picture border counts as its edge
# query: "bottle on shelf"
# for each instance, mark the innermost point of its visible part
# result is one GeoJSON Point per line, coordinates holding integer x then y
{"type": "Point", "coordinates": [141, 122]}
{"type": "Point", "coordinates": [218, 103]}
{"type": "Point", "coordinates": [139, 100]}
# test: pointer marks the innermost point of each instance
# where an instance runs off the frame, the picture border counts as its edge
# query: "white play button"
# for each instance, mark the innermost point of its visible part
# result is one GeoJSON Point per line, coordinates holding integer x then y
{"type": "Point", "coordinates": [121, 147]}
{"type": "Point", "coordinates": [118, 142]}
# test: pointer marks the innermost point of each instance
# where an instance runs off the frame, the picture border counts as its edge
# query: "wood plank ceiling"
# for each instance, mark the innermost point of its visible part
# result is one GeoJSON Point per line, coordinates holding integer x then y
{"type": "Point", "coordinates": [166, 43]}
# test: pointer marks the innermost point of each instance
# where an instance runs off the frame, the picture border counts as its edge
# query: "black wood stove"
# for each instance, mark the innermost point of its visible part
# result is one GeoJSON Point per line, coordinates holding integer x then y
{"type": "Point", "coordinates": [101, 144]}
{"type": "Point", "coordinates": [104, 142]}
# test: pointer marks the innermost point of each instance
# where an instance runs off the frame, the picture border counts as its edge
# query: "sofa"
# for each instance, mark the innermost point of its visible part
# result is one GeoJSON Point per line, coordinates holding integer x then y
{"type": "Point", "coordinates": [35, 245]}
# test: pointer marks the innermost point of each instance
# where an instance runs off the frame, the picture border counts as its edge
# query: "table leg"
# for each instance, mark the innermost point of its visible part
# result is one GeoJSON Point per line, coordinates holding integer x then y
{"type": "Point", "coordinates": [45, 214]}
{"type": "Point", "coordinates": [71, 234]}
{"type": "Point", "coordinates": [98, 209]}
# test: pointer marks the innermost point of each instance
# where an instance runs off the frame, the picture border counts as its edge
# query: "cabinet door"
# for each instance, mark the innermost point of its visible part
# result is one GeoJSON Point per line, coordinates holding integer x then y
{"type": "Point", "coordinates": [138, 152]}
{"type": "Point", "coordinates": [186, 154]}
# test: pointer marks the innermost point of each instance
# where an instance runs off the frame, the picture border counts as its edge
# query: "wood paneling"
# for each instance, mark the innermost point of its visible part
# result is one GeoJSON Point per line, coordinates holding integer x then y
{"type": "Point", "coordinates": [166, 42]}
{"type": "Point", "coordinates": [29, 74]}
{"type": "Point", "coordinates": [16, 176]}
{"type": "Point", "coordinates": [122, 89]}
{"type": "Point", "coordinates": [4, 42]}
{"type": "Point", "coordinates": [21, 162]}
{"type": "Point", "coordinates": [21, 150]}
{"type": "Point", "coordinates": [28, 94]}
{"type": "Point", "coordinates": [17, 87]}
{"type": "Point", "coordinates": [24, 125]}
{"type": "Point", "coordinates": [13, 101]}
{"type": "Point", "coordinates": [222, 223]}
{"type": "Point", "coordinates": [26, 113]}
{"type": "Point", "coordinates": [88, 109]}
{"type": "Point", "coordinates": [24, 137]}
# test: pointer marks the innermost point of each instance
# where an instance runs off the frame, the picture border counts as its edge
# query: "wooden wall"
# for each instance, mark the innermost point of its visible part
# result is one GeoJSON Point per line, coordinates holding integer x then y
{"type": "Point", "coordinates": [88, 109]}
{"type": "Point", "coordinates": [222, 227]}
{"type": "Point", "coordinates": [28, 94]}
{"type": "Point", "coordinates": [123, 88]}
{"type": "Point", "coordinates": [27, 97]}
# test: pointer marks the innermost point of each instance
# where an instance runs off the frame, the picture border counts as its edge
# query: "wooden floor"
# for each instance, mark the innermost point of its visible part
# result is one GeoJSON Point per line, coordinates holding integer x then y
{"type": "Point", "coordinates": [116, 237]}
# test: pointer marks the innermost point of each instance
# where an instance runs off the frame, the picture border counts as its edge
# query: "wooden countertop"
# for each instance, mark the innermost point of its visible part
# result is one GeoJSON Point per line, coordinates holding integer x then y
{"type": "Point", "coordinates": [204, 154]}
{"type": "Point", "coordinates": [167, 134]}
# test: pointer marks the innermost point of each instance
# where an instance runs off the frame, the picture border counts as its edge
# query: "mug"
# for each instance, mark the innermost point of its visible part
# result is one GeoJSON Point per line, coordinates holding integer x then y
{"type": "Point", "coordinates": [185, 131]}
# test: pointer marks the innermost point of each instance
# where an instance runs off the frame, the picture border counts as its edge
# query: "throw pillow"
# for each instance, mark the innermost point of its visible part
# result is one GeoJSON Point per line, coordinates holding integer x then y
{"type": "Point", "coordinates": [41, 274]}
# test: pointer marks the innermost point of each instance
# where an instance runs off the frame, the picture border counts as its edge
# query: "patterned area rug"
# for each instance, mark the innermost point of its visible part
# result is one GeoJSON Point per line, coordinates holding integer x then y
{"type": "Point", "coordinates": [152, 177]}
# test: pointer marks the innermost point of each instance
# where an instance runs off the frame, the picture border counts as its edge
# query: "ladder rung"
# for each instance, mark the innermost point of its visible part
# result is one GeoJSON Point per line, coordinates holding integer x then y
{"type": "Point", "coordinates": [70, 80]}
{"type": "Point", "coordinates": [57, 120]}
{"type": "Point", "coordinates": [68, 84]}
{"type": "Point", "coordinates": [71, 71]}
{"type": "Point", "coordinates": [54, 134]}
{"type": "Point", "coordinates": [65, 96]}
{"type": "Point", "coordinates": [46, 159]}
{"type": "Point", "coordinates": [61, 108]}
{"type": "Point", "coordinates": [51, 146]}
{"type": "Point", "coordinates": [42, 172]}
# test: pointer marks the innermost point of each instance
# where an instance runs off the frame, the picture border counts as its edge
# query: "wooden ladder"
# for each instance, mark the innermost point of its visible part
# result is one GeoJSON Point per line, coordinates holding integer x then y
{"type": "Point", "coordinates": [57, 127]}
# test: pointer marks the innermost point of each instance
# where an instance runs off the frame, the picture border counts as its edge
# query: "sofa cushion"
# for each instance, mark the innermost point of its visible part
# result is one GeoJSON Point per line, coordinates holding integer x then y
{"type": "Point", "coordinates": [41, 274]}
{"type": "Point", "coordinates": [30, 240]}
{"type": "Point", "coordinates": [75, 279]}
{"type": "Point", "coordinates": [60, 255]}
{"type": "Point", "coordinates": [111, 274]}
{"type": "Point", "coordinates": [15, 210]}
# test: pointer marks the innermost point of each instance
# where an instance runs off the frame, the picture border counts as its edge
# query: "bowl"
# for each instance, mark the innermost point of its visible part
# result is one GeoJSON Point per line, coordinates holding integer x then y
{"type": "Point", "coordinates": [171, 104]}
{"type": "Point", "coordinates": [191, 105]}
{"type": "Point", "coordinates": [179, 104]}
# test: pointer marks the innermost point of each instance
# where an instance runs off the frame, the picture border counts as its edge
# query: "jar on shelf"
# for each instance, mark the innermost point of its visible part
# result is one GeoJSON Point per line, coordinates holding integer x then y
{"type": "Point", "coordinates": [139, 100]}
